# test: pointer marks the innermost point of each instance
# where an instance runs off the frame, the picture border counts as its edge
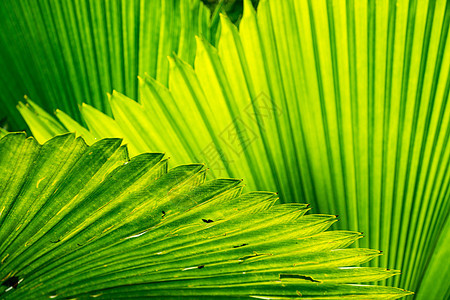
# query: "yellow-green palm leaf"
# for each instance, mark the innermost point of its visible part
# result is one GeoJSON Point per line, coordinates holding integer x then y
{"type": "Point", "coordinates": [85, 222]}
{"type": "Point", "coordinates": [341, 104]}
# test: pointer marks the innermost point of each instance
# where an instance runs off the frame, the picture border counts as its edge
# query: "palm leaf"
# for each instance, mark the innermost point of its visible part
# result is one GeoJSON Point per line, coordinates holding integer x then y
{"type": "Point", "coordinates": [80, 221]}
{"type": "Point", "coordinates": [62, 53]}
{"type": "Point", "coordinates": [340, 104]}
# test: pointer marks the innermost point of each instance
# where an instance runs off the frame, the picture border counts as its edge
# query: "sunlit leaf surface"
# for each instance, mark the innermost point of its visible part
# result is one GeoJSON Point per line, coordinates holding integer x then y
{"type": "Point", "coordinates": [341, 104]}
{"type": "Point", "coordinates": [84, 222]}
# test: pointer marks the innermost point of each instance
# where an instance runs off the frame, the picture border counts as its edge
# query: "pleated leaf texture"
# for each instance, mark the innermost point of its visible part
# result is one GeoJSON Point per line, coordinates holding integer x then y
{"type": "Point", "coordinates": [63, 53]}
{"type": "Point", "coordinates": [340, 104]}
{"type": "Point", "coordinates": [85, 222]}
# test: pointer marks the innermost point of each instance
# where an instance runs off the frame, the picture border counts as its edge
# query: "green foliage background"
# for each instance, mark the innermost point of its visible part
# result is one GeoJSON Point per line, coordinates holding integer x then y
{"type": "Point", "coordinates": [357, 94]}
{"type": "Point", "coordinates": [63, 53]}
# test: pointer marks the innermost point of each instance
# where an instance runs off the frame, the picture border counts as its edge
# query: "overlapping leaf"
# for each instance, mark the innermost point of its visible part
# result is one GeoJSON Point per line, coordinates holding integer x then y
{"type": "Point", "coordinates": [80, 221]}
{"type": "Point", "coordinates": [342, 104]}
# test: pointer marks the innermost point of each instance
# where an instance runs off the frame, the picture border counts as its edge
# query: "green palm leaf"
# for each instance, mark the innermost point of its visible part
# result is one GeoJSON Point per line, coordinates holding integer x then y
{"type": "Point", "coordinates": [340, 104]}
{"type": "Point", "coordinates": [62, 53]}
{"type": "Point", "coordinates": [80, 221]}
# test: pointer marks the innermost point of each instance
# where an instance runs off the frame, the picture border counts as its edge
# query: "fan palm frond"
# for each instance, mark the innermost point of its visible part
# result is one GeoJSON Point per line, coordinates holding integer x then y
{"type": "Point", "coordinates": [342, 104]}
{"type": "Point", "coordinates": [80, 221]}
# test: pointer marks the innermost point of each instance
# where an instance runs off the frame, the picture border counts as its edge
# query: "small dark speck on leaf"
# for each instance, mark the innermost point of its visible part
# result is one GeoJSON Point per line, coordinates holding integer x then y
{"type": "Point", "coordinates": [207, 221]}
{"type": "Point", "coordinates": [292, 276]}
{"type": "Point", "coordinates": [79, 245]}
{"type": "Point", "coordinates": [56, 241]}
{"type": "Point", "coordinates": [201, 266]}
{"type": "Point", "coordinates": [11, 282]}
{"type": "Point", "coordinates": [240, 246]}
{"type": "Point", "coordinates": [252, 256]}
{"type": "Point", "coordinates": [163, 214]}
